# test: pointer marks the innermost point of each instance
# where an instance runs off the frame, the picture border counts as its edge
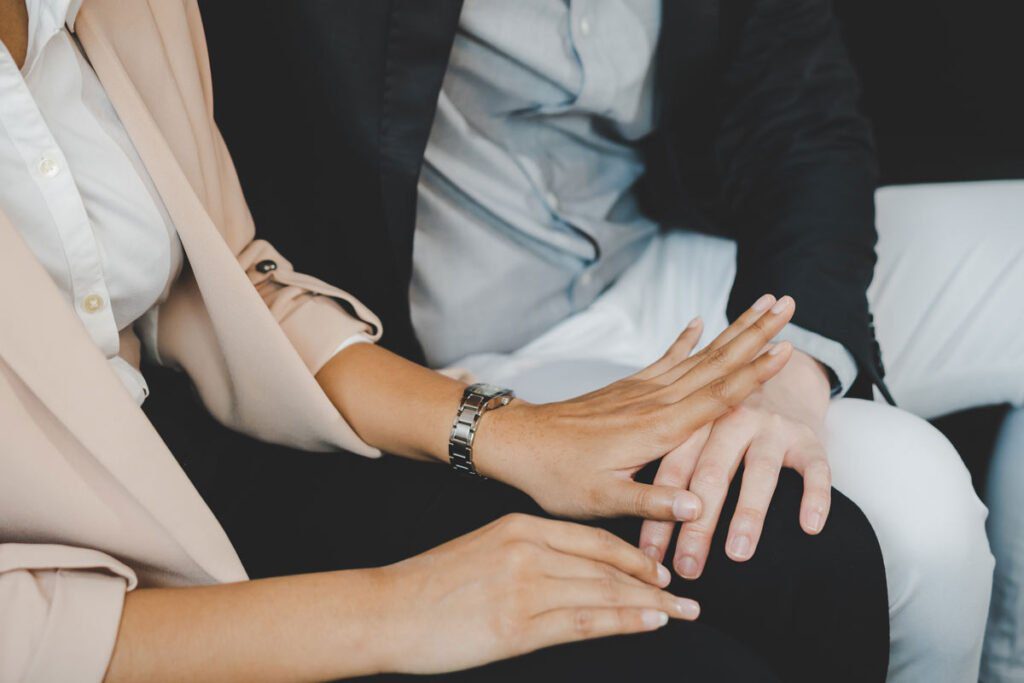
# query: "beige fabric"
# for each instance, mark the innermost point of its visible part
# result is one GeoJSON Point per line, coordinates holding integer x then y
{"type": "Point", "coordinates": [91, 501]}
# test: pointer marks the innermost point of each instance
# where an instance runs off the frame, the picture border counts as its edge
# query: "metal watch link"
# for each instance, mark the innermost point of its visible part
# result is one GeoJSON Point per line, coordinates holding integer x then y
{"type": "Point", "coordinates": [477, 399]}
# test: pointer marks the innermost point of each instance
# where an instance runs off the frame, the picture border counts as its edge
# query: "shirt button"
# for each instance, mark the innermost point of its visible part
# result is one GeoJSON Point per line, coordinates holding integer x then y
{"type": "Point", "coordinates": [49, 167]}
{"type": "Point", "coordinates": [92, 303]}
{"type": "Point", "coordinates": [586, 279]}
{"type": "Point", "coordinates": [584, 27]}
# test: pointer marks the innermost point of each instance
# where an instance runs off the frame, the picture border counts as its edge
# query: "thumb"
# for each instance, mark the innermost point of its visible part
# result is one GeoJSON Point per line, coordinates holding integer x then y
{"type": "Point", "coordinates": [663, 503]}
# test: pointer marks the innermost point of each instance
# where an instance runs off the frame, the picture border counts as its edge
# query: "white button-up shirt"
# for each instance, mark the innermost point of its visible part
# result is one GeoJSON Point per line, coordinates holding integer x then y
{"type": "Point", "coordinates": [73, 184]}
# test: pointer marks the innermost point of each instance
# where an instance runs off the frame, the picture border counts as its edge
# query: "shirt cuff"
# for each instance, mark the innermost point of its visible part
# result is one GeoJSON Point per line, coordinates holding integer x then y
{"type": "Point", "coordinates": [827, 351]}
{"type": "Point", "coordinates": [354, 339]}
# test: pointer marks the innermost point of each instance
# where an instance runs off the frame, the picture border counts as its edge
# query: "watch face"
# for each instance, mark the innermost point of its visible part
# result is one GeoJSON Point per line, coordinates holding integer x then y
{"type": "Point", "coordinates": [487, 390]}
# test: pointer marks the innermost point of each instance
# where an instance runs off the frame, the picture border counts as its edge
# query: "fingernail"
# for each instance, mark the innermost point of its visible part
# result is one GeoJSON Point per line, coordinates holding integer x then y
{"type": "Point", "coordinates": [781, 305]}
{"type": "Point", "coordinates": [693, 323]}
{"type": "Point", "coordinates": [815, 521]}
{"type": "Point", "coordinates": [664, 576]}
{"type": "Point", "coordinates": [687, 567]}
{"type": "Point", "coordinates": [651, 552]}
{"type": "Point", "coordinates": [776, 349]}
{"type": "Point", "coordinates": [652, 618]}
{"type": "Point", "coordinates": [687, 609]}
{"type": "Point", "coordinates": [739, 546]}
{"type": "Point", "coordinates": [684, 508]}
{"type": "Point", "coordinates": [762, 304]}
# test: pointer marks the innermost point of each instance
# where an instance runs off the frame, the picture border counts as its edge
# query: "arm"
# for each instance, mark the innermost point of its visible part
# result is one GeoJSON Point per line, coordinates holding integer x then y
{"type": "Point", "coordinates": [493, 587]}
{"type": "Point", "coordinates": [576, 458]}
{"type": "Point", "coordinates": [798, 172]}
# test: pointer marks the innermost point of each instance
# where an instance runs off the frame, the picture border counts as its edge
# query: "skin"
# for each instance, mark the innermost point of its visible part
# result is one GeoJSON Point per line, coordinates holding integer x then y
{"type": "Point", "coordinates": [779, 425]}
{"type": "Point", "coordinates": [514, 586]}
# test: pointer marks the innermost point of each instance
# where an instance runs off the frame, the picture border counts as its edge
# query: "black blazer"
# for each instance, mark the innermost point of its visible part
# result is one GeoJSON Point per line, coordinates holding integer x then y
{"type": "Point", "coordinates": [327, 106]}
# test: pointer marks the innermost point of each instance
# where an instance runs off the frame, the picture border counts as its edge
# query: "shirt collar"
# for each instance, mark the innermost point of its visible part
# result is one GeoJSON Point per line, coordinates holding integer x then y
{"type": "Point", "coordinates": [46, 18]}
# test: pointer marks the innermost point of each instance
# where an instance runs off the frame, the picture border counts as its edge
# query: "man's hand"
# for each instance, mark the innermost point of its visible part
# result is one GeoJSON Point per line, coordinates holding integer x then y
{"type": "Point", "coordinates": [578, 458]}
{"type": "Point", "coordinates": [778, 426]}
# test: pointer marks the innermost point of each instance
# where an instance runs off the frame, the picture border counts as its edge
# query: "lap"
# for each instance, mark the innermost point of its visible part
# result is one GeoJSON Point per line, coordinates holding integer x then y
{"type": "Point", "coordinates": [803, 606]}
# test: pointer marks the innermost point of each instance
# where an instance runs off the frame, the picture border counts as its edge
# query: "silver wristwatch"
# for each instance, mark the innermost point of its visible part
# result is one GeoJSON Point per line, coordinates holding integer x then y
{"type": "Point", "coordinates": [477, 399]}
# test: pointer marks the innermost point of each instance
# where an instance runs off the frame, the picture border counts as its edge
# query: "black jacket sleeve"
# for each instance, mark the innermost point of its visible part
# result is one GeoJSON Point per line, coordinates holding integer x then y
{"type": "Point", "coordinates": [797, 169]}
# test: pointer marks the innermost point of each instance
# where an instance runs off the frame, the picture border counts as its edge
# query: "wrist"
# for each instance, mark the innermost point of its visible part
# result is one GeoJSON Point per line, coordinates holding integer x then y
{"type": "Point", "coordinates": [499, 439]}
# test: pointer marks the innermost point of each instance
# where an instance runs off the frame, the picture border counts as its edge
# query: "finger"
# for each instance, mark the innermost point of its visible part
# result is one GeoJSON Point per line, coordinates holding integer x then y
{"type": "Point", "coordinates": [715, 399]}
{"type": "Point", "coordinates": [560, 593]}
{"type": "Point", "coordinates": [711, 478]}
{"type": "Point", "coordinates": [680, 349]}
{"type": "Point", "coordinates": [561, 565]}
{"type": "Point", "coordinates": [712, 364]}
{"type": "Point", "coordinates": [675, 470]}
{"type": "Point", "coordinates": [603, 546]}
{"type": "Point", "coordinates": [817, 498]}
{"type": "Point", "coordinates": [573, 624]}
{"type": "Point", "coordinates": [760, 477]}
{"type": "Point", "coordinates": [629, 498]}
{"type": "Point", "coordinates": [745, 320]}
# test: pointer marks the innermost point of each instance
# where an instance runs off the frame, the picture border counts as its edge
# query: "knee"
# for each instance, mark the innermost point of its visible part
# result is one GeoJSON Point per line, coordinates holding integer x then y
{"type": "Point", "coordinates": [929, 522]}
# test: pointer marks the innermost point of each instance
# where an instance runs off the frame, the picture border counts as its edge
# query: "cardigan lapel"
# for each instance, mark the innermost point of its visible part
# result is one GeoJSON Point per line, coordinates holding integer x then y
{"type": "Point", "coordinates": [48, 348]}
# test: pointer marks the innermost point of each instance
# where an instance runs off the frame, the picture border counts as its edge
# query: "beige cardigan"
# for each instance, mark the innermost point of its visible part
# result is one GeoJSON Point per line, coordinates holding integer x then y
{"type": "Point", "coordinates": [91, 501]}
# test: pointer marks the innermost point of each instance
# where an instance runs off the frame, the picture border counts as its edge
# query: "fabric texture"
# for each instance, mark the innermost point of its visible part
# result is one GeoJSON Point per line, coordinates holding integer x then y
{"type": "Point", "coordinates": [530, 172]}
{"type": "Point", "coordinates": [76, 189]}
{"type": "Point", "coordinates": [360, 83]}
{"type": "Point", "coordinates": [87, 483]}
{"type": "Point", "coordinates": [940, 310]}
{"type": "Point", "coordinates": [804, 606]}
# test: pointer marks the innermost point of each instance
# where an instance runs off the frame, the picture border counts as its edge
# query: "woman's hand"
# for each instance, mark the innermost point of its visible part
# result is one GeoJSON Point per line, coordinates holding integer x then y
{"type": "Point", "coordinates": [577, 458]}
{"type": "Point", "coordinates": [516, 585]}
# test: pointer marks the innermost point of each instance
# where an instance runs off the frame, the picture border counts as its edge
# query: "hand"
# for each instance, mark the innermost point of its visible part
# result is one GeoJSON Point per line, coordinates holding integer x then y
{"type": "Point", "coordinates": [778, 426]}
{"type": "Point", "coordinates": [517, 585]}
{"type": "Point", "coordinates": [577, 458]}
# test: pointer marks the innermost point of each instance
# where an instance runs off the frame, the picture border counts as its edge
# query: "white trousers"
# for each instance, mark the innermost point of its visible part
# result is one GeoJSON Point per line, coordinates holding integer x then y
{"type": "Point", "coordinates": [947, 303]}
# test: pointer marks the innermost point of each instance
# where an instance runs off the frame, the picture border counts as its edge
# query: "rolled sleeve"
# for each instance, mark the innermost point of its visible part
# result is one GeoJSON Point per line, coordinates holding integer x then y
{"type": "Point", "coordinates": [827, 351]}
{"type": "Point", "coordinates": [60, 610]}
{"type": "Point", "coordinates": [318, 319]}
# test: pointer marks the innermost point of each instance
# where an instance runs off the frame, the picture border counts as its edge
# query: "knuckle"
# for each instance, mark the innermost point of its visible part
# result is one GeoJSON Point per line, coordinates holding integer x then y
{"type": "Point", "coordinates": [583, 622]}
{"type": "Point", "coordinates": [719, 390]}
{"type": "Point", "coordinates": [749, 515]}
{"type": "Point", "coordinates": [605, 540]}
{"type": "Point", "coordinates": [801, 432]}
{"type": "Point", "coordinates": [519, 558]}
{"type": "Point", "coordinates": [711, 476]}
{"type": "Point", "coordinates": [610, 591]}
{"type": "Point", "coordinates": [514, 524]}
{"type": "Point", "coordinates": [608, 573]}
{"type": "Point", "coordinates": [507, 625]}
{"type": "Point", "coordinates": [759, 328]}
{"type": "Point", "coordinates": [717, 358]}
{"type": "Point", "coordinates": [641, 502]}
{"type": "Point", "coordinates": [764, 467]}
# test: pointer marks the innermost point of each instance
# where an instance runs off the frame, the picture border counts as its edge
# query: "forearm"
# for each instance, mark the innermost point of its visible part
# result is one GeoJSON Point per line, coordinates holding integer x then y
{"type": "Point", "coordinates": [299, 628]}
{"type": "Point", "coordinates": [391, 403]}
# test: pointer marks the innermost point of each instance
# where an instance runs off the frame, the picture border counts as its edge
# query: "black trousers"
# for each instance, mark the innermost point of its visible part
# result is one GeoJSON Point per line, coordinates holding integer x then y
{"type": "Point", "coordinates": [803, 609]}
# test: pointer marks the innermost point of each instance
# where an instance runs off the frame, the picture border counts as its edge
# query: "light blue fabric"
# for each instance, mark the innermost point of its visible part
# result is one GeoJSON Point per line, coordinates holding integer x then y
{"type": "Point", "coordinates": [526, 207]}
{"type": "Point", "coordinates": [1003, 657]}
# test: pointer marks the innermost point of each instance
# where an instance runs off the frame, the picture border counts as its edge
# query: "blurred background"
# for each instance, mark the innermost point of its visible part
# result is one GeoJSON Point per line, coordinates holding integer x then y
{"type": "Point", "coordinates": [943, 84]}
